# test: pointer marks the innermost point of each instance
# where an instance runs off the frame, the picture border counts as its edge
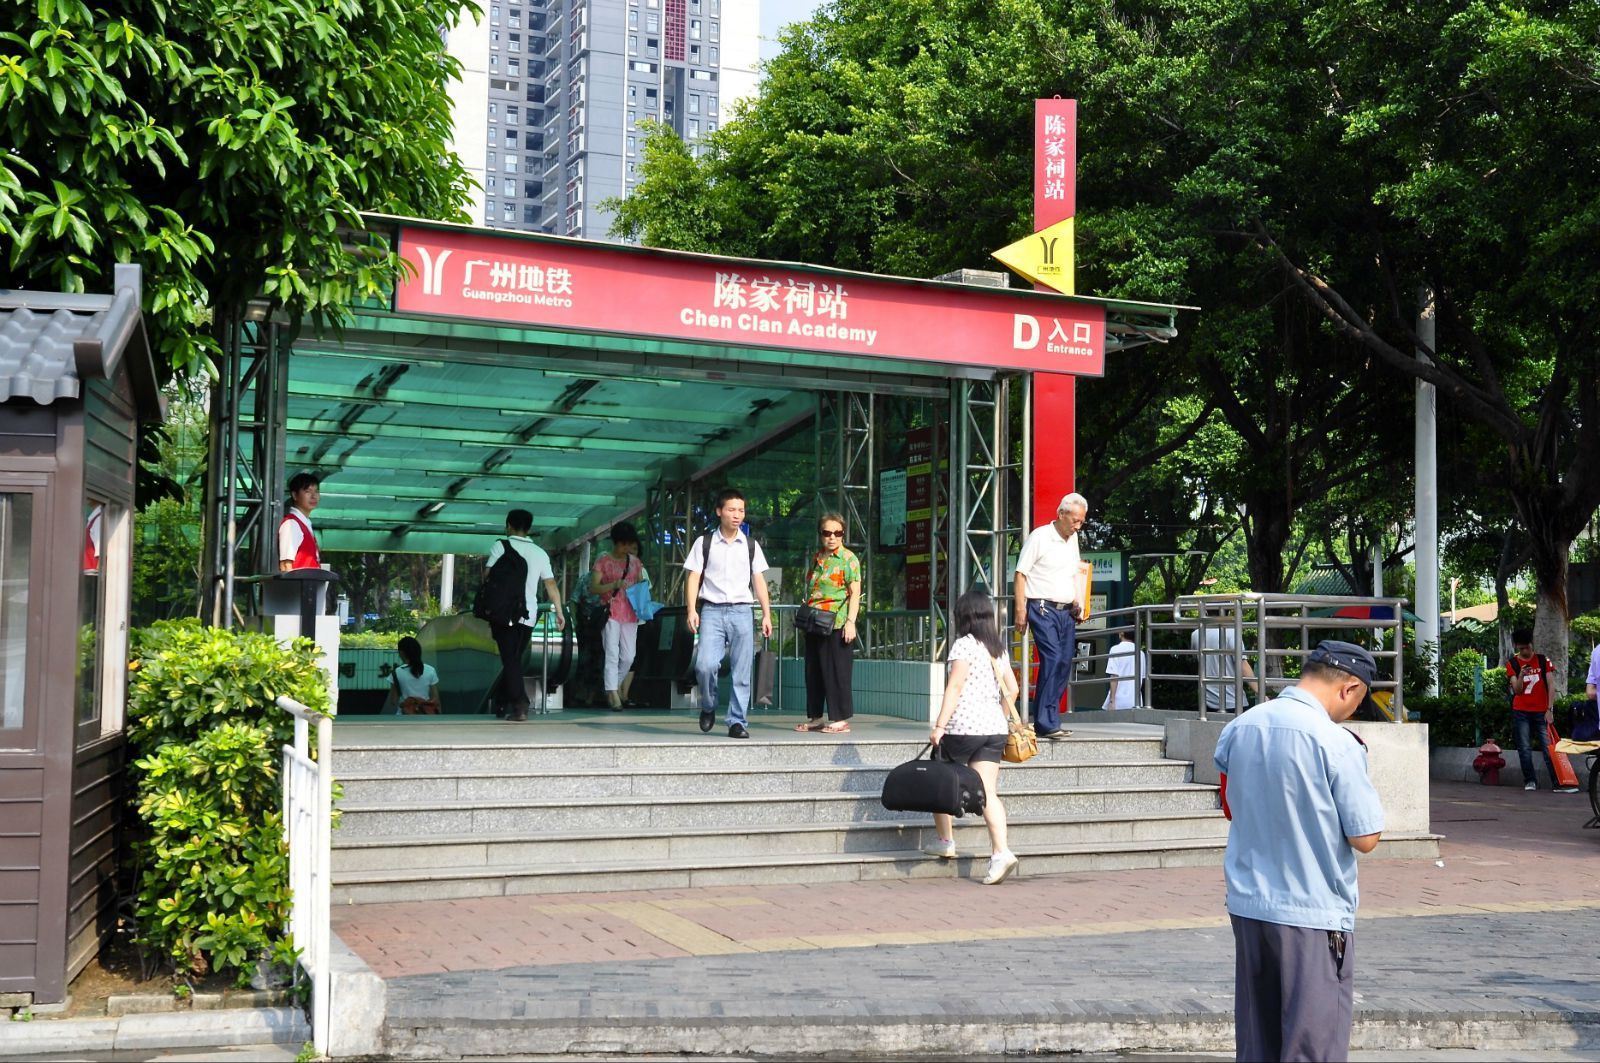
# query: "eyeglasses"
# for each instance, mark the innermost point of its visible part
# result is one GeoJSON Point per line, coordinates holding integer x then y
{"type": "Point", "coordinates": [833, 534]}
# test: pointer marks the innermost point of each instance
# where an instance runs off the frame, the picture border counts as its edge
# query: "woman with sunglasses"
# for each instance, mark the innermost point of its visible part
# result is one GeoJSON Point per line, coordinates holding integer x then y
{"type": "Point", "coordinates": [833, 585]}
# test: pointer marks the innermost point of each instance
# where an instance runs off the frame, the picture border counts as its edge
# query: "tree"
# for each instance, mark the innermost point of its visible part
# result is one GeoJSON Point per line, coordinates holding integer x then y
{"type": "Point", "coordinates": [224, 145]}
{"type": "Point", "coordinates": [1434, 147]}
{"type": "Point", "coordinates": [890, 136]}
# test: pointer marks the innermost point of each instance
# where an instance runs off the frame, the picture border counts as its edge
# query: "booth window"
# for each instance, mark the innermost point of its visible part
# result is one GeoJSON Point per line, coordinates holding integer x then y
{"type": "Point", "coordinates": [16, 548]}
{"type": "Point", "coordinates": [90, 613]}
{"type": "Point", "coordinates": [102, 616]}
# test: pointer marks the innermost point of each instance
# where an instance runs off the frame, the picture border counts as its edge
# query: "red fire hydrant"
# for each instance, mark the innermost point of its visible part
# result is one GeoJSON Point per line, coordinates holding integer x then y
{"type": "Point", "coordinates": [1488, 763]}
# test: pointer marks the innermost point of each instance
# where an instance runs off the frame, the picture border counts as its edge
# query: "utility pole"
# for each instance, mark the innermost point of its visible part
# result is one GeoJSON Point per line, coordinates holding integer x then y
{"type": "Point", "coordinates": [1427, 502]}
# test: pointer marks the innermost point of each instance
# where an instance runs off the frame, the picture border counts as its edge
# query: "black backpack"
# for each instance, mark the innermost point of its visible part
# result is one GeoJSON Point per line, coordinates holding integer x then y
{"type": "Point", "coordinates": [503, 598]}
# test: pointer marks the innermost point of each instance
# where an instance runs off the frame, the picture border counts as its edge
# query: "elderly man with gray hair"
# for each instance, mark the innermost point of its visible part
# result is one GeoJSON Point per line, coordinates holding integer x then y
{"type": "Point", "coordinates": [1046, 600]}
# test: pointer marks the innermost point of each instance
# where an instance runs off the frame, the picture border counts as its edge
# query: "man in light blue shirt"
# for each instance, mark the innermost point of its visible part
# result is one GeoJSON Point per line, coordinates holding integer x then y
{"type": "Point", "coordinates": [1302, 806]}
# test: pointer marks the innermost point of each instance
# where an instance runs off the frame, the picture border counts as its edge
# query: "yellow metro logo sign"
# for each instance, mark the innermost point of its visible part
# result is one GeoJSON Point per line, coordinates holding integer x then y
{"type": "Point", "coordinates": [1045, 258]}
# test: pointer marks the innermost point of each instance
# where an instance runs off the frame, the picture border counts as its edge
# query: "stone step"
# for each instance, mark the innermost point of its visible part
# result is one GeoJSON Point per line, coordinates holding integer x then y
{"type": "Point", "coordinates": [582, 848]}
{"type": "Point", "coordinates": [714, 750]}
{"type": "Point", "coordinates": [359, 887]}
{"type": "Point", "coordinates": [760, 810]}
{"type": "Point", "coordinates": [414, 787]}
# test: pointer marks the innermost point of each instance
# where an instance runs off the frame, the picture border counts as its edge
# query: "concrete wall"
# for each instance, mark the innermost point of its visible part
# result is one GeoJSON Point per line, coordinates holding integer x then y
{"type": "Point", "coordinates": [1397, 760]}
{"type": "Point", "coordinates": [1454, 764]}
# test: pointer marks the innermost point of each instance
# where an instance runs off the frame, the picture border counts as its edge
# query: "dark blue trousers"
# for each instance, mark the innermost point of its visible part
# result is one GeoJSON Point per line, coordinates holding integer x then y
{"type": "Point", "coordinates": [1293, 992]}
{"type": "Point", "coordinates": [1526, 726]}
{"type": "Point", "coordinates": [1055, 635]}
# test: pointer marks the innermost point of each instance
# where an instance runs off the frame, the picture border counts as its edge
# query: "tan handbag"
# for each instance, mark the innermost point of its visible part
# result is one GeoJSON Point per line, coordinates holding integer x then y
{"type": "Point", "coordinates": [1021, 743]}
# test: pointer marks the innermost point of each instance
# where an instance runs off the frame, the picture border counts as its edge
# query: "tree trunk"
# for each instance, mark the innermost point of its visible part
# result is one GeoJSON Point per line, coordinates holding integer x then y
{"type": "Point", "coordinates": [1551, 631]}
{"type": "Point", "coordinates": [1266, 535]}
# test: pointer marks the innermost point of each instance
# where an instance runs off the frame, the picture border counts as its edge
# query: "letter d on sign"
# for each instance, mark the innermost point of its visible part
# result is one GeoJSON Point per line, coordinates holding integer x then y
{"type": "Point", "coordinates": [1024, 332]}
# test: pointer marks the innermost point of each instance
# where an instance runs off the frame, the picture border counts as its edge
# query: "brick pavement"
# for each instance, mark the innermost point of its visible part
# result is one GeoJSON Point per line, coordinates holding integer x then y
{"type": "Point", "coordinates": [1506, 852]}
{"type": "Point", "coordinates": [1492, 950]}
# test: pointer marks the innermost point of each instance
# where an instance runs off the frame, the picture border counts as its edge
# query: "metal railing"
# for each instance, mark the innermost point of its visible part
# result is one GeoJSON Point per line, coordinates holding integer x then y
{"type": "Point", "coordinates": [308, 829]}
{"type": "Point", "coordinates": [1256, 636]}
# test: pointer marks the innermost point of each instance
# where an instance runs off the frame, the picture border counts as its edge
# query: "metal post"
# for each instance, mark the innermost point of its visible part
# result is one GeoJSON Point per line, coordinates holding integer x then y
{"type": "Point", "coordinates": [447, 582]}
{"type": "Point", "coordinates": [1025, 520]}
{"type": "Point", "coordinates": [1427, 496]}
{"type": "Point", "coordinates": [1261, 648]}
{"type": "Point", "coordinates": [1238, 649]}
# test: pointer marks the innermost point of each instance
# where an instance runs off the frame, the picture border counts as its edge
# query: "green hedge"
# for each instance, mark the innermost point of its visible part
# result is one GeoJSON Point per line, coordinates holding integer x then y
{"type": "Point", "coordinates": [1455, 720]}
{"type": "Point", "coordinates": [211, 867]}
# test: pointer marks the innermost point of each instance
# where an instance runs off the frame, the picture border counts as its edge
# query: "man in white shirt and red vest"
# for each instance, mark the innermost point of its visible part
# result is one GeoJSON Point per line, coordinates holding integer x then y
{"type": "Point", "coordinates": [297, 542]}
{"type": "Point", "coordinates": [1046, 600]}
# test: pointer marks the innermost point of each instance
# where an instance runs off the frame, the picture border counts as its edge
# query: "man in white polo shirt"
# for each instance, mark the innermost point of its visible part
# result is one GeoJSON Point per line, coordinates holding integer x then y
{"type": "Point", "coordinates": [1046, 600]}
{"type": "Point", "coordinates": [724, 580]}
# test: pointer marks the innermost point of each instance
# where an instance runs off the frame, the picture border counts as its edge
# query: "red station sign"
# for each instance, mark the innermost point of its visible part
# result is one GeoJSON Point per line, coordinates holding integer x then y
{"type": "Point", "coordinates": [591, 287]}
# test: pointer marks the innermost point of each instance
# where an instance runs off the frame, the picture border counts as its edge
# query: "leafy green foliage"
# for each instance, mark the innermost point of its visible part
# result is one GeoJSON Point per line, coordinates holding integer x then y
{"type": "Point", "coordinates": [206, 734]}
{"type": "Point", "coordinates": [1457, 673]}
{"type": "Point", "coordinates": [221, 144]}
{"type": "Point", "coordinates": [1297, 170]}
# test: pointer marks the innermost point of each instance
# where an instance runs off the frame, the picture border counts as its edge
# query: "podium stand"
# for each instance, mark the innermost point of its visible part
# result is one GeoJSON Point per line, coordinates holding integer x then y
{"type": "Point", "coordinates": [293, 604]}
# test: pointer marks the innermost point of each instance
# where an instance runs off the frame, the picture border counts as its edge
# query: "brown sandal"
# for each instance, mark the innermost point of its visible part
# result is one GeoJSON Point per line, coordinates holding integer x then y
{"type": "Point", "coordinates": [838, 727]}
{"type": "Point", "coordinates": [812, 725]}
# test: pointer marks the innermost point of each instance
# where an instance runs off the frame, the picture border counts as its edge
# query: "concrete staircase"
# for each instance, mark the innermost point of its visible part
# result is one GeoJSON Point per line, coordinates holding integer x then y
{"type": "Point", "coordinates": [432, 821]}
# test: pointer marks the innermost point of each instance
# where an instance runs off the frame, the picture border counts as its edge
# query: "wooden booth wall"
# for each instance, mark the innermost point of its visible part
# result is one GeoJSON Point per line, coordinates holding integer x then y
{"type": "Point", "coordinates": [109, 428]}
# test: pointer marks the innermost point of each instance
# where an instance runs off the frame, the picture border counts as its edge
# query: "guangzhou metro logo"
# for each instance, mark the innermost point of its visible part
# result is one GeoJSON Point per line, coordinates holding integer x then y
{"type": "Point", "coordinates": [433, 270]}
{"type": "Point", "coordinates": [499, 280]}
{"type": "Point", "coordinates": [1026, 330]}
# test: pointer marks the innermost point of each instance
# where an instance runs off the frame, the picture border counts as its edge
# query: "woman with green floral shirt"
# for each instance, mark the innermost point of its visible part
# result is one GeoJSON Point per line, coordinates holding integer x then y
{"type": "Point", "coordinates": [833, 585]}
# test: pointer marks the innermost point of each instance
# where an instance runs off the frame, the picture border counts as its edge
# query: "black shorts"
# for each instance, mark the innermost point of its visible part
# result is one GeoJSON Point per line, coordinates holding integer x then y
{"type": "Point", "coordinates": [969, 749]}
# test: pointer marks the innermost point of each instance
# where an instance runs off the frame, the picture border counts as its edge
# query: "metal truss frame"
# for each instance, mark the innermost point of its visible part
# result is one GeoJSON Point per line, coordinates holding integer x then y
{"type": "Point", "coordinates": [847, 423]}
{"type": "Point", "coordinates": [669, 526]}
{"type": "Point", "coordinates": [982, 467]}
{"type": "Point", "coordinates": [244, 485]}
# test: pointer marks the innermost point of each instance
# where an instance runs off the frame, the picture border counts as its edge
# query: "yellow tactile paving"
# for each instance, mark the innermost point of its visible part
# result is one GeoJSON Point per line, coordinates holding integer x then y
{"type": "Point", "coordinates": [675, 930]}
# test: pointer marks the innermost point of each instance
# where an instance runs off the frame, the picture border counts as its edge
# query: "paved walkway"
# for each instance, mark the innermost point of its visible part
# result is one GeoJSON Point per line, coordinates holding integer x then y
{"type": "Point", "coordinates": [1502, 927]}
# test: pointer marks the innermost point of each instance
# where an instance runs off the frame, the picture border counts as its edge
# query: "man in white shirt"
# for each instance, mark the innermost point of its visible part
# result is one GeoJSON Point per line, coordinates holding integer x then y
{"type": "Point", "coordinates": [1046, 600]}
{"type": "Point", "coordinates": [512, 639]}
{"type": "Point", "coordinates": [1126, 678]}
{"type": "Point", "coordinates": [724, 580]}
{"type": "Point", "coordinates": [1220, 664]}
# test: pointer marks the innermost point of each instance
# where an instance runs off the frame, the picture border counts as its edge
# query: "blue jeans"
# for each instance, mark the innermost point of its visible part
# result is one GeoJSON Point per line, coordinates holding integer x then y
{"type": "Point", "coordinates": [1523, 726]}
{"type": "Point", "coordinates": [725, 631]}
{"type": "Point", "coordinates": [1055, 634]}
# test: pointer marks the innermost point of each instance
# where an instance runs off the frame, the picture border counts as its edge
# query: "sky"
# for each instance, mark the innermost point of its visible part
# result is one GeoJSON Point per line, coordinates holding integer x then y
{"type": "Point", "coordinates": [778, 13]}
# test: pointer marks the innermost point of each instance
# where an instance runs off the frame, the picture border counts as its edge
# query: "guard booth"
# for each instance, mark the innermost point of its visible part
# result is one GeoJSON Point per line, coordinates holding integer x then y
{"type": "Point", "coordinates": [591, 382]}
{"type": "Point", "coordinates": [76, 380]}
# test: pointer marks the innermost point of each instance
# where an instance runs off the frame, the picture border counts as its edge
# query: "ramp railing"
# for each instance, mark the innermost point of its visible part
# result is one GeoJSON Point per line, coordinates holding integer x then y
{"type": "Point", "coordinates": [308, 829]}
{"type": "Point", "coordinates": [1234, 646]}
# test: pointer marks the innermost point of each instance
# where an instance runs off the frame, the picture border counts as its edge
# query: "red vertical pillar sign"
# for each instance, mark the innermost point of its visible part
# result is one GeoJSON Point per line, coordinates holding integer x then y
{"type": "Point", "coordinates": [1055, 187]}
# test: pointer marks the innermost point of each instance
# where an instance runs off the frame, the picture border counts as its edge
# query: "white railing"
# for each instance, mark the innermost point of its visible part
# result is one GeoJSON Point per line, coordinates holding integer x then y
{"type": "Point", "coordinates": [308, 828]}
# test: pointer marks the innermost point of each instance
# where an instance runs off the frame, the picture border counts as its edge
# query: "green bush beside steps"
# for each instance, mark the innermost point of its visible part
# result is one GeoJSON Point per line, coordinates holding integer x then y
{"type": "Point", "coordinates": [211, 869]}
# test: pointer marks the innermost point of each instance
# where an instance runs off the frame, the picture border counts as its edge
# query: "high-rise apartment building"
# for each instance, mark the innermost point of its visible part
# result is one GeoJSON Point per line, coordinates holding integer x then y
{"type": "Point", "coordinates": [554, 94]}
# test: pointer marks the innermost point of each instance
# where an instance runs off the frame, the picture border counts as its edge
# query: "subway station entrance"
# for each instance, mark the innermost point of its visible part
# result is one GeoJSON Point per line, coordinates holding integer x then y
{"type": "Point", "coordinates": [591, 383]}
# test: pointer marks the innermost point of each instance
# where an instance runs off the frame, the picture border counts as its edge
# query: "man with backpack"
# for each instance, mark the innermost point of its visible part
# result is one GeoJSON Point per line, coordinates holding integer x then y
{"type": "Point", "coordinates": [1533, 701]}
{"type": "Point", "coordinates": [509, 602]}
{"type": "Point", "coordinates": [724, 580]}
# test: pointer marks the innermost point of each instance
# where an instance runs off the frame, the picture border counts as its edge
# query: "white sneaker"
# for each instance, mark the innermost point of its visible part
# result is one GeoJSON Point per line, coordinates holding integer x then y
{"type": "Point", "coordinates": [943, 848]}
{"type": "Point", "coordinates": [1530, 785]}
{"type": "Point", "coordinates": [1566, 790]}
{"type": "Point", "coordinates": [1000, 865]}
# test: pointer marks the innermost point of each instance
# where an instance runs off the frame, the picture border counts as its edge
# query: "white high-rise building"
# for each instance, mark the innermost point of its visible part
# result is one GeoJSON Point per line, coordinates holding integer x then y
{"type": "Point", "coordinates": [554, 93]}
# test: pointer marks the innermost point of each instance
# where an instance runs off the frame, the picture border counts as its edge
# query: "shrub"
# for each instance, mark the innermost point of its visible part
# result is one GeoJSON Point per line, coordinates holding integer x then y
{"type": "Point", "coordinates": [1455, 720]}
{"type": "Point", "coordinates": [1455, 677]}
{"type": "Point", "coordinates": [211, 867]}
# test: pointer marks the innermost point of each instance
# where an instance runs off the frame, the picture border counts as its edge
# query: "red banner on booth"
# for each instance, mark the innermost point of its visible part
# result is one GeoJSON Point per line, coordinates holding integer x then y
{"type": "Point", "coordinates": [626, 291]}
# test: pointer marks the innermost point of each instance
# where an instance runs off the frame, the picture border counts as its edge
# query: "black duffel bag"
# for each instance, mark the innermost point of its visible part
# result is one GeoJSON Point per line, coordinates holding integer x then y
{"type": "Point", "coordinates": [937, 784]}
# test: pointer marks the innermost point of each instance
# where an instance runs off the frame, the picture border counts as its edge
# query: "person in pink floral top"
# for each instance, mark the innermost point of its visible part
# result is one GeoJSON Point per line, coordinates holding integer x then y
{"type": "Point", "coordinates": [613, 574]}
{"type": "Point", "coordinates": [833, 584]}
